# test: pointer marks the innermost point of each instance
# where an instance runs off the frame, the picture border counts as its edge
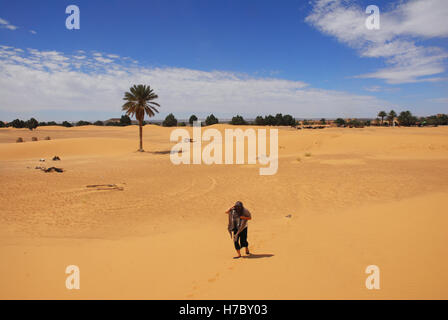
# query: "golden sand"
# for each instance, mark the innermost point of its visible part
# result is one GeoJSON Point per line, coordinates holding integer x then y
{"type": "Point", "coordinates": [356, 197]}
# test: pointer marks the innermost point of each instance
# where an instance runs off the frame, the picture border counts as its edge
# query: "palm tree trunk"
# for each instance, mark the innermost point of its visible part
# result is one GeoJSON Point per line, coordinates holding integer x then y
{"type": "Point", "coordinates": [140, 127]}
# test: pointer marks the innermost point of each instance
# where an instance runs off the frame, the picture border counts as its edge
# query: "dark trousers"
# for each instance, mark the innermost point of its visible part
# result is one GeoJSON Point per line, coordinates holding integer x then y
{"type": "Point", "coordinates": [241, 240]}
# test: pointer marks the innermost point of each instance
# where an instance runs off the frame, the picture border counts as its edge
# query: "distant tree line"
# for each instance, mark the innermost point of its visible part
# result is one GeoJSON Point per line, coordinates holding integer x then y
{"type": "Point", "coordinates": [441, 120]}
{"type": "Point", "coordinates": [407, 119]}
{"type": "Point", "coordinates": [352, 123]}
{"type": "Point", "coordinates": [277, 120]}
{"type": "Point", "coordinates": [171, 121]}
{"type": "Point", "coordinates": [404, 118]}
{"type": "Point", "coordinates": [33, 123]}
{"type": "Point", "coordinates": [17, 123]}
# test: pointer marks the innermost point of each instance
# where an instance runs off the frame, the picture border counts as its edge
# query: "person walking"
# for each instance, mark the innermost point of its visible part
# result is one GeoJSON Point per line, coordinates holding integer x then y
{"type": "Point", "coordinates": [237, 227]}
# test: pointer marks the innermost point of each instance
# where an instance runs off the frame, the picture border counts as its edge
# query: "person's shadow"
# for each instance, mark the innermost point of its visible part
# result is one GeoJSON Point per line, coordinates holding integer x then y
{"type": "Point", "coordinates": [163, 152]}
{"type": "Point", "coordinates": [258, 256]}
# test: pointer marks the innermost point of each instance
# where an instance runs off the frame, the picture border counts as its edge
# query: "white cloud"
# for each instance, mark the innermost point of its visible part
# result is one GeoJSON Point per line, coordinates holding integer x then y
{"type": "Point", "coordinates": [6, 25]}
{"type": "Point", "coordinates": [373, 88]}
{"type": "Point", "coordinates": [400, 29]}
{"type": "Point", "coordinates": [103, 60]}
{"type": "Point", "coordinates": [33, 32]}
{"type": "Point", "coordinates": [439, 100]}
{"type": "Point", "coordinates": [50, 80]}
{"type": "Point", "coordinates": [380, 89]}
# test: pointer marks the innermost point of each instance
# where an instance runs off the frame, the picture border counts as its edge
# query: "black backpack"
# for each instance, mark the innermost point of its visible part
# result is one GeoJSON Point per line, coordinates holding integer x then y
{"type": "Point", "coordinates": [236, 221]}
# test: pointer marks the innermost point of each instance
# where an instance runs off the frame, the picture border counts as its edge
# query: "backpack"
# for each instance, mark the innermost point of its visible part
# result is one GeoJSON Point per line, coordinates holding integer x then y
{"type": "Point", "coordinates": [234, 220]}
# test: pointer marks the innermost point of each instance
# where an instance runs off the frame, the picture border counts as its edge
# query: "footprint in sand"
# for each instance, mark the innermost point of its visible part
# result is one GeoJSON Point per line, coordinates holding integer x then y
{"type": "Point", "coordinates": [194, 288]}
{"type": "Point", "coordinates": [194, 190]}
{"type": "Point", "coordinates": [214, 278]}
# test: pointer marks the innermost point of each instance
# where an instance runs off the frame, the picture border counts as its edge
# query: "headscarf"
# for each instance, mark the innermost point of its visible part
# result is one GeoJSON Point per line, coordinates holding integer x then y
{"type": "Point", "coordinates": [239, 207]}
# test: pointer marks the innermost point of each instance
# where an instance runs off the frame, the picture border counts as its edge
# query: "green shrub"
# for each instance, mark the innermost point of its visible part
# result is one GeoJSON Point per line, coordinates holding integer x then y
{"type": "Point", "coordinates": [32, 124]}
{"type": "Point", "coordinates": [406, 118]}
{"type": "Point", "coordinates": [125, 120]}
{"type": "Point", "coordinates": [210, 120]}
{"type": "Point", "coordinates": [170, 121]}
{"type": "Point", "coordinates": [238, 120]}
{"type": "Point", "coordinates": [17, 123]}
{"type": "Point", "coordinates": [192, 119]}
{"type": "Point", "coordinates": [340, 122]}
{"type": "Point", "coordinates": [259, 121]}
{"type": "Point", "coordinates": [82, 123]}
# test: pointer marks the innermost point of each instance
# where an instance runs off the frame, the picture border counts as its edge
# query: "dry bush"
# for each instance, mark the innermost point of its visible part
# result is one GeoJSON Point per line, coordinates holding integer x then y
{"type": "Point", "coordinates": [34, 139]}
{"type": "Point", "coordinates": [20, 139]}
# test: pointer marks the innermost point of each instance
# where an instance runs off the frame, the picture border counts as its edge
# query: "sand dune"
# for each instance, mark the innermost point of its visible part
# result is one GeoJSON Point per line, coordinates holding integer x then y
{"type": "Point", "coordinates": [356, 197]}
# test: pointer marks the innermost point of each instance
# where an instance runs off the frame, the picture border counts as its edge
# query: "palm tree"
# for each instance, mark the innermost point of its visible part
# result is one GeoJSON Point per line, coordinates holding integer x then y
{"type": "Point", "coordinates": [391, 116]}
{"type": "Point", "coordinates": [382, 114]}
{"type": "Point", "coordinates": [139, 102]}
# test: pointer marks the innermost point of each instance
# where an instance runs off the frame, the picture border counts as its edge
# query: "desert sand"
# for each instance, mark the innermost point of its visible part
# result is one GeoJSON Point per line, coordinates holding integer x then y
{"type": "Point", "coordinates": [342, 199]}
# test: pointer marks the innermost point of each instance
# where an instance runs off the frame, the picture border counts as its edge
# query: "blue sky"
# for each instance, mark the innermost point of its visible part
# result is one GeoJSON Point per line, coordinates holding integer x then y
{"type": "Point", "coordinates": [310, 59]}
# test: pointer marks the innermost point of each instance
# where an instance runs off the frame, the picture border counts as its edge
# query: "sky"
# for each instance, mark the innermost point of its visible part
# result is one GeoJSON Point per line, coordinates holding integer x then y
{"type": "Point", "coordinates": [311, 59]}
